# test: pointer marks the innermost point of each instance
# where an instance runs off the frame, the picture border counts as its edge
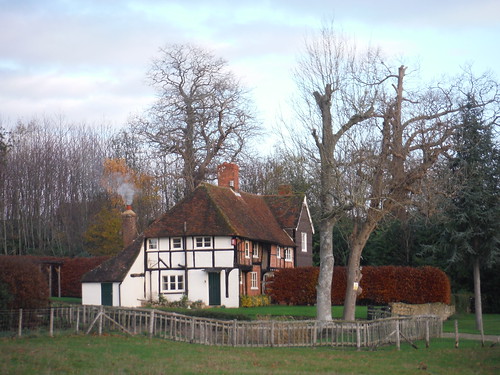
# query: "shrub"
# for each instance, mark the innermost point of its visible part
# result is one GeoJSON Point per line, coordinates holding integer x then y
{"type": "Point", "coordinates": [255, 301]}
{"type": "Point", "coordinates": [380, 285]}
{"type": "Point", "coordinates": [24, 285]}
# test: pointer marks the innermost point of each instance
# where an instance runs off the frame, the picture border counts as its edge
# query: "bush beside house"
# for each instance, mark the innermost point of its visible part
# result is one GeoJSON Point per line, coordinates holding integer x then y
{"type": "Point", "coordinates": [380, 285]}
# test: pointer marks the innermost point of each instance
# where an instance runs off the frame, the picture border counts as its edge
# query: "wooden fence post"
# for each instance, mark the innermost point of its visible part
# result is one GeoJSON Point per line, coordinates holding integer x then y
{"type": "Point", "coordinates": [78, 319]}
{"type": "Point", "coordinates": [358, 337]}
{"type": "Point", "coordinates": [427, 340]}
{"type": "Point", "coordinates": [51, 320]}
{"type": "Point", "coordinates": [101, 312]}
{"type": "Point", "coordinates": [456, 333]}
{"type": "Point", "coordinates": [235, 332]}
{"type": "Point", "coordinates": [398, 339]}
{"type": "Point", "coordinates": [151, 323]}
{"type": "Point", "coordinates": [20, 323]}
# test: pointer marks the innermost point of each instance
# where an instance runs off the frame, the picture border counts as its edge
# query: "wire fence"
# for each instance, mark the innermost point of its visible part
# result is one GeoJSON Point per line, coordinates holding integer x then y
{"type": "Point", "coordinates": [172, 326]}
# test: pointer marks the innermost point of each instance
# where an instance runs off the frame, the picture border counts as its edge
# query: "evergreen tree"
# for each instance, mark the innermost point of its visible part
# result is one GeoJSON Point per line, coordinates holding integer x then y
{"type": "Point", "coordinates": [473, 225]}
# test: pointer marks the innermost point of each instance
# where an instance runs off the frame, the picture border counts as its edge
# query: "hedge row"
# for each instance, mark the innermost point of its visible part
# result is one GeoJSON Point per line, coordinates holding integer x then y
{"type": "Point", "coordinates": [22, 284]}
{"type": "Point", "coordinates": [380, 285]}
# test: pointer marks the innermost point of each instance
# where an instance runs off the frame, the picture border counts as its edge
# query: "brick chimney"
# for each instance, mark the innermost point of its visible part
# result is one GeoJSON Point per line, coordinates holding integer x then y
{"type": "Point", "coordinates": [129, 226]}
{"type": "Point", "coordinates": [228, 175]}
{"type": "Point", "coordinates": [285, 190]}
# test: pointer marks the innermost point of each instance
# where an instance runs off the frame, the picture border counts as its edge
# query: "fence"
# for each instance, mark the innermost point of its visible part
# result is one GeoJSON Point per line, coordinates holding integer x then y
{"type": "Point", "coordinates": [172, 326]}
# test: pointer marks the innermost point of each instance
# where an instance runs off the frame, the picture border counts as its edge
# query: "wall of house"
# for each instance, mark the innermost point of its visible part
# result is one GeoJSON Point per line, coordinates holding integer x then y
{"type": "Point", "coordinates": [91, 293]}
{"type": "Point", "coordinates": [132, 288]}
{"type": "Point", "coordinates": [304, 258]}
{"type": "Point", "coordinates": [192, 264]}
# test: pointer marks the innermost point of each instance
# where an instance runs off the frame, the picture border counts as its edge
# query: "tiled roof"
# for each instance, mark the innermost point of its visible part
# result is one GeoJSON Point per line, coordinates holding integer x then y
{"type": "Point", "coordinates": [215, 211]}
{"type": "Point", "coordinates": [116, 268]}
{"type": "Point", "coordinates": [219, 211]}
{"type": "Point", "coordinates": [286, 209]}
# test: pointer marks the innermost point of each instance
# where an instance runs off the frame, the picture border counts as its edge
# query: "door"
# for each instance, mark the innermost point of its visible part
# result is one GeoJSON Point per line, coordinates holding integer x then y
{"type": "Point", "coordinates": [214, 288]}
{"type": "Point", "coordinates": [107, 294]}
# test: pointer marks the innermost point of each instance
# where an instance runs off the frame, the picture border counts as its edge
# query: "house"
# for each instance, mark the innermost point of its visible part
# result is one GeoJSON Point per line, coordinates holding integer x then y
{"type": "Point", "coordinates": [215, 245]}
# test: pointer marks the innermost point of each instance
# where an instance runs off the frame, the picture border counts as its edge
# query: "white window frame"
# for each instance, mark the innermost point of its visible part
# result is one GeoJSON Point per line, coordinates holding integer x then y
{"type": "Point", "coordinates": [206, 242]}
{"type": "Point", "coordinates": [153, 243]}
{"type": "Point", "coordinates": [278, 252]}
{"type": "Point", "coordinates": [304, 242]}
{"type": "Point", "coordinates": [288, 254]}
{"type": "Point", "coordinates": [176, 241]}
{"type": "Point", "coordinates": [255, 250]}
{"type": "Point", "coordinates": [254, 284]}
{"type": "Point", "coordinates": [173, 283]}
{"type": "Point", "coordinates": [247, 249]}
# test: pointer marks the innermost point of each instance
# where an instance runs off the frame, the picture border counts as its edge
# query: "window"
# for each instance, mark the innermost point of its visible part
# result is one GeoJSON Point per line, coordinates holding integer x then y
{"type": "Point", "coordinates": [203, 242]}
{"type": "Point", "coordinates": [304, 242]}
{"type": "Point", "coordinates": [152, 243]}
{"type": "Point", "coordinates": [247, 249]}
{"type": "Point", "coordinates": [253, 277]}
{"type": "Point", "coordinates": [173, 283]}
{"type": "Point", "coordinates": [288, 254]}
{"type": "Point", "coordinates": [278, 252]}
{"type": "Point", "coordinates": [176, 243]}
{"type": "Point", "coordinates": [255, 250]}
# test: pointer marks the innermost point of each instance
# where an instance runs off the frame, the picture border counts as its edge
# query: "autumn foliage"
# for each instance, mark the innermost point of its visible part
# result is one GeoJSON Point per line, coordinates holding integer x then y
{"type": "Point", "coordinates": [380, 285]}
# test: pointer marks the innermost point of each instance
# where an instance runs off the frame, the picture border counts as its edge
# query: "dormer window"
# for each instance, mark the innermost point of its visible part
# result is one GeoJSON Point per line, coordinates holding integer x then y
{"type": "Point", "coordinates": [152, 243]}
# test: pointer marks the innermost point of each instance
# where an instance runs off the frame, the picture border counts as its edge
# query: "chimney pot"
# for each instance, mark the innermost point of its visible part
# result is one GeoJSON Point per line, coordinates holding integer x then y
{"type": "Point", "coordinates": [228, 175]}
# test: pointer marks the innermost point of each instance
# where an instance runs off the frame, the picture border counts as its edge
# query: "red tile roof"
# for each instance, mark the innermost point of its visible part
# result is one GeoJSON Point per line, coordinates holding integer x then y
{"type": "Point", "coordinates": [219, 211]}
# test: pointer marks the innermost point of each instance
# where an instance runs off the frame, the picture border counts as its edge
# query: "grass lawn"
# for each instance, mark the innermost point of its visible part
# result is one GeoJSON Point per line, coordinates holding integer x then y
{"type": "Point", "coordinates": [467, 324]}
{"type": "Point", "coordinates": [116, 354]}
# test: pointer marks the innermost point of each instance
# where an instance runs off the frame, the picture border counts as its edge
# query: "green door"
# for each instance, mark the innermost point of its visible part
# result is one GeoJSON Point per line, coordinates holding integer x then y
{"type": "Point", "coordinates": [107, 294]}
{"type": "Point", "coordinates": [214, 288]}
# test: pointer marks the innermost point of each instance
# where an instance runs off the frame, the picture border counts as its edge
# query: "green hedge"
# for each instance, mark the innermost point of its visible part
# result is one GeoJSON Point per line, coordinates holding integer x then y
{"type": "Point", "coordinates": [381, 285]}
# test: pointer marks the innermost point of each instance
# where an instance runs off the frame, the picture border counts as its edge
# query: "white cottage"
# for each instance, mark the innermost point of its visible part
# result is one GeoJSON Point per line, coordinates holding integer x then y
{"type": "Point", "coordinates": [215, 245]}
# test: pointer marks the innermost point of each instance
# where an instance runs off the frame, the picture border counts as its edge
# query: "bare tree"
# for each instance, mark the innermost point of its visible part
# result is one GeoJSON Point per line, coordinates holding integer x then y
{"type": "Point", "coordinates": [332, 81]}
{"type": "Point", "coordinates": [201, 117]}
{"type": "Point", "coordinates": [374, 142]}
{"type": "Point", "coordinates": [414, 128]}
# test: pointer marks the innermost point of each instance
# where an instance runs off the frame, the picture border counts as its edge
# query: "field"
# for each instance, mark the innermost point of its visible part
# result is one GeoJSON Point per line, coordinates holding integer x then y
{"type": "Point", "coordinates": [138, 355]}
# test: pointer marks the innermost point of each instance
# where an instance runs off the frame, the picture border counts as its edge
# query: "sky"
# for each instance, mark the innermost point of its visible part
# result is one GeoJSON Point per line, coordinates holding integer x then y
{"type": "Point", "coordinates": [86, 60]}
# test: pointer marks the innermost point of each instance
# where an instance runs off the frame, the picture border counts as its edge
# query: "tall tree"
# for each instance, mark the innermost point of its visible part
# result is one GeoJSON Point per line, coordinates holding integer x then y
{"type": "Point", "coordinates": [473, 226]}
{"type": "Point", "coordinates": [336, 85]}
{"type": "Point", "coordinates": [202, 115]}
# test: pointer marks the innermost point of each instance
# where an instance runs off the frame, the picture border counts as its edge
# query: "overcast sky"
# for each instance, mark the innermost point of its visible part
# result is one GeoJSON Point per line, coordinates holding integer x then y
{"type": "Point", "coordinates": [86, 59]}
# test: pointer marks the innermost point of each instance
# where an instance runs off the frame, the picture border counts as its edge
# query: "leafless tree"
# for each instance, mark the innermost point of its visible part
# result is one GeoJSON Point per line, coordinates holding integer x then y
{"type": "Point", "coordinates": [374, 141]}
{"type": "Point", "coordinates": [202, 115]}
{"type": "Point", "coordinates": [335, 83]}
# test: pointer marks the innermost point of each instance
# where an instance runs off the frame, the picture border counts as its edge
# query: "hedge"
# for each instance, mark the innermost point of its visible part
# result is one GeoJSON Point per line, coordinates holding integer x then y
{"type": "Point", "coordinates": [380, 285]}
{"type": "Point", "coordinates": [22, 284]}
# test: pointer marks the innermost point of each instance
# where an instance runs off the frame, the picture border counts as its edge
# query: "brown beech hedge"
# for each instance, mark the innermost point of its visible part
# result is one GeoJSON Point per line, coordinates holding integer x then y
{"type": "Point", "coordinates": [22, 284]}
{"type": "Point", "coordinates": [380, 285]}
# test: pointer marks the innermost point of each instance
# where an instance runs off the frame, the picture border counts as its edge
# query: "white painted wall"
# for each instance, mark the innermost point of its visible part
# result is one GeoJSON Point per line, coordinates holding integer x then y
{"type": "Point", "coordinates": [131, 290]}
{"type": "Point", "coordinates": [91, 293]}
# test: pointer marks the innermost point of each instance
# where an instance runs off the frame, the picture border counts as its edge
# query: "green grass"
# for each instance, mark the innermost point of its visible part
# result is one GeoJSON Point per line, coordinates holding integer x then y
{"type": "Point", "coordinates": [467, 324]}
{"type": "Point", "coordinates": [66, 300]}
{"type": "Point", "coordinates": [118, 354]}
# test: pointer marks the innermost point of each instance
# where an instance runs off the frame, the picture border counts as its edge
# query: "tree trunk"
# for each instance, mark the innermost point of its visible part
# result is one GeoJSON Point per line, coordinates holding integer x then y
{"type": "Point", "coordinates": [359, 238]}
{"type": "Point", "coordinates": [324, 287]}
{"type": "Point", "coordinates": [477, 295]}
